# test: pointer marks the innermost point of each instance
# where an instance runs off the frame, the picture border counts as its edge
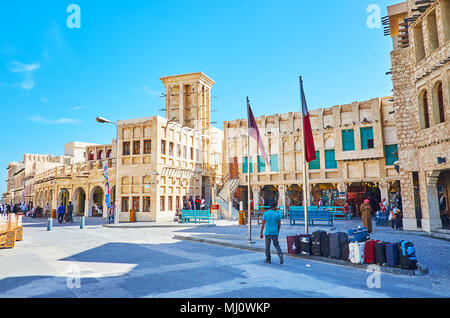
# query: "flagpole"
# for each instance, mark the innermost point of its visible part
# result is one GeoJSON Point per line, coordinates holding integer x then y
{"type": "Point", "coordinates": [249, 182]}
{"type": "Point", "coordinates": [305, 168]}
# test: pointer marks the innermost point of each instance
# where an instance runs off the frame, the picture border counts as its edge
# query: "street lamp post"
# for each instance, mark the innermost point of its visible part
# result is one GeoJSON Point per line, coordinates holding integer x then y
{"type": "Point", "coordinates": [106, 121]}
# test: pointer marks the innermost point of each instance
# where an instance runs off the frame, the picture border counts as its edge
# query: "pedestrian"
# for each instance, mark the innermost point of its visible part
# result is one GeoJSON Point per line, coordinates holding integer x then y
{"type": "Point", "coordinates": [271, 224]}
{"type": "Point", "coordinates": [398, 219]}
{"type": "Point", "coordinates": [202, 204]}
{"type": "Point", "coordinates": [61, 211]}
{"type": "Point", "coordinates": [383, 205]}
{"type": "Point", "coordinates": [47, 211]}
{"type": "Point", "coordinates": [111, 213]}
{"type": "Point", "coordinates": [191, 201]}
{"type": "Point", "coordinates": [366, 214]}
{"type": "Point", "coordinates": [70, 212]}
{"type": "Point", "coordinates": [391, 217]}
{"type": "Point", "coordinates": [197, 203]}
{"type": "Point", "coordinates": [320, 204]}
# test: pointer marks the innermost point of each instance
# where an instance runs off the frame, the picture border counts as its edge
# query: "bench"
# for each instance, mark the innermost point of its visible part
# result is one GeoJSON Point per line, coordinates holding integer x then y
{"type": "Point", "coordinates": [337, 212]}
{"type": "Point", "coordinates": [297, 213]}
{"type": "Point", "coordinates": [381, 218]}
{"type": "Point", "coordinates": [11, 230]}
{"type": "Point", "coordinates": [279, 209]}
{"type": "Point", "coordinates": [196, 216]}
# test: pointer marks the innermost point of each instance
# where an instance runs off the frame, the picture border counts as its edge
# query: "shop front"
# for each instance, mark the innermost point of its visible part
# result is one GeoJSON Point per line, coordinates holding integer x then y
{"type": "Point", "coordinates": [357, 192]}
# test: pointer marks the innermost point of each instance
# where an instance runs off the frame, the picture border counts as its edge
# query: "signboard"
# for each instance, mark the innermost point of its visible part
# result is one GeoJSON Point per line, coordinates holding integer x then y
{"type": "Point", "coordinates": [342, 195]}
{"type": "Point", "coordinates": [107, 196]}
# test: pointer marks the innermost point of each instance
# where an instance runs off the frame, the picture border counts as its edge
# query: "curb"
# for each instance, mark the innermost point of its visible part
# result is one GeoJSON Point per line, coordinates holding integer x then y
{"type": "Point", "coordinates": [157, 226]}
{"type": "Point", "coordinates": [388, 270]}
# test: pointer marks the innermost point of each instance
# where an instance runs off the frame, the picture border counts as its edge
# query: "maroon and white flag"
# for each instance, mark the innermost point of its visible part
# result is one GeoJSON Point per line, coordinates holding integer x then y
{"type": "Point", "coordinates": [253, 131]}
{"type": "Point", "coordinates": [309, 148]}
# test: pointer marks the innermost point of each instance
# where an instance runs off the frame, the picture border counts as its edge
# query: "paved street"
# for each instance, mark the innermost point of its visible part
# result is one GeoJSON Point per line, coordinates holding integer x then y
{"type": "Point", "coordinates": [148, 262]}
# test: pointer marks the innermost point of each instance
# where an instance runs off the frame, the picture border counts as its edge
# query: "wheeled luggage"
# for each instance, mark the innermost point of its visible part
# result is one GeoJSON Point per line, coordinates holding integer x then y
{"type": "Point", "coordinates": [392, 254]}
{"type": "Point", "coordinates": [369, 252]}
{"type": "Point", "coordinates": [316, 239]}
{"type": "Point", "coordinates": [305, 244]}
{"type": "Point", "coordinates": [336, 240]}
{"type": "Point", "coordinates": [380, 253]}
{"type": "Point", "coordinates": [358, 234]}
{"type": "Point", "coordinates": [356, 252]}
{"type": "Point", "coordinates": [345, 252]}
{"type": "Point", "coordinates": [325, 245]}
{"type": "Point", "coordinates": [293, 244]}
{"type": "Point", "coordinates": [407, 255]}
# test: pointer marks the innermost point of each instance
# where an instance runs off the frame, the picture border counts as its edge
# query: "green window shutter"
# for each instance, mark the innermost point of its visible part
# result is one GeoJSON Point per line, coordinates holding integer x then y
{"type": "Point", "coordinates": [330, 160]}
{"type": "Point", "coordinates": [314, 165]}
{"type": "Point", "coordinates": [391, 155]}
{"type": "Point", "coordinates": [245, 165]}
{"type": "Point", "coordinates": [348, 140]}
{"type": "Point", "coordinates": [261, 164]}
{"type": "Point", "coordinates": [274, 163]}
{"type": "Point", "coordinates": [367, 141]}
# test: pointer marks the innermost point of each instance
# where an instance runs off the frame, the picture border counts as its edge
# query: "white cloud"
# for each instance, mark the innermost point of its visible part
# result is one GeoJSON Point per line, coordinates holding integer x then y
{"type": "Point", "coordinates": [60, 121]}
{"type": "Point", "coordinates": [27, 70]}
{"type": "Point", "coordinates": [76, 108]}
{"type": "Point", "coordinates": [44, 99]}
{"type": "Point", "coordinates": [18, 67]}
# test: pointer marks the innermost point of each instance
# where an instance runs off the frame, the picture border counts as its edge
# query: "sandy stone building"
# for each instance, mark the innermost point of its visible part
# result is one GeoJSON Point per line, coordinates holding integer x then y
{"type": "Point", "coordinates": [160, 160]}
{"type": "Point", "coordinates": [356, 148]}
{"type": "Point", "coordinates": [420, 31]}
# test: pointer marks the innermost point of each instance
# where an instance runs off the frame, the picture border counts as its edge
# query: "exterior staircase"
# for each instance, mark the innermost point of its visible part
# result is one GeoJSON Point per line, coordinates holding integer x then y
{"type": "Point", "coordinates": [222, 198]}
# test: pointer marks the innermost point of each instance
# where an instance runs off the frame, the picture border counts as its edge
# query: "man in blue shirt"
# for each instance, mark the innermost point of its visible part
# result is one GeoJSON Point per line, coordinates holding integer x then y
{"type": "Point", "coordinates": [61, 211]}
{"type": "Point", "coordinates": [272, 222]}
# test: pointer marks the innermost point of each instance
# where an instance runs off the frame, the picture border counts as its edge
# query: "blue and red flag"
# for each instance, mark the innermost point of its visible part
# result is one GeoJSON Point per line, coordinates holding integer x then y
{"type": "Point", "coordinates": [309, 148]}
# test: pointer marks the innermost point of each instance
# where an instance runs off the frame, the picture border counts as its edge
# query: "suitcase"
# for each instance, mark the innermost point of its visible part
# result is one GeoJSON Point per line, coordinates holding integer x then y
{"type": "Point", "coordinates": [345, 252]}
{"type": "Point", "coordinates": [305, 244]}
{"type": "Point", "coordinates": [407, 255]}
{"type": "Point", "coordinates": [325, 245]}
{"type": "Point", "coordinates": [380, 253]}
{"type": "Point", "coordinates": [336, 240]}
{"type": "Point", "coordinates": [293, 244]}
{"type": "Point", "coordinates": [369, 252]}
{"type": "Point", "coordinates": [392, 254]}
{"type": "Point", "coordinates": [316, 239]}
{"type": "Point", "coordinates": [358, 234]}
{"type": "Point", "coordinates": [356, 252]}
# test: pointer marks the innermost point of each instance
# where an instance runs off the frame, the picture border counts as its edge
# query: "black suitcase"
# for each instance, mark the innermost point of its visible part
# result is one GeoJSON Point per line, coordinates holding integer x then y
{"type": "Point", "coordinates": [345, 252]}
{"type": "Point", "coordinates": [316, 239]}
{"type": "Point", "coordinates": [335, 246]}
{"type": "Point", "coordinates": [325, 245]}
{"type": "Point", "coordinates": [305, 244]}
{"type": "Point", "coordinates": [380, 253]}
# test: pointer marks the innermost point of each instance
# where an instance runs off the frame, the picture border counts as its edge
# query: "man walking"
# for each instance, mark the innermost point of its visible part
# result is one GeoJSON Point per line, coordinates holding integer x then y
{"type": "Point", "coordinates": [271, 221]}
{"type": "Point", "coordinates": [69, 212]}
{"type": "Point", "coordinates": [61, 211]}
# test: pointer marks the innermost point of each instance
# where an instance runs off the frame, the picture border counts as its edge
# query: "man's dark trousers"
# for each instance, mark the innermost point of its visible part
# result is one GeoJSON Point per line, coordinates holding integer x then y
{"type": "Point", "coordinates": [60, 217]}
{"type": "Point", "coordinates": [274, 239]}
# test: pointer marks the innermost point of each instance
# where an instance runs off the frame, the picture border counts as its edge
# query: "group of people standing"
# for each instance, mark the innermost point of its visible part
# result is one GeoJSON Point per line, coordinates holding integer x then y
{"type": "Point", "coordinates": [190, 204]}
{"type": "Point", "coordinates": [395, 216]}
{"type": "Point", "coordinates": [63, 215]}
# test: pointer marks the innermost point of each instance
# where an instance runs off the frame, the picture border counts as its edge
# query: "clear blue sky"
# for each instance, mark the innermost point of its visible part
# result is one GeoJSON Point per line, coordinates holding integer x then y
{"type": "Point", "coordinates": [54, 80]}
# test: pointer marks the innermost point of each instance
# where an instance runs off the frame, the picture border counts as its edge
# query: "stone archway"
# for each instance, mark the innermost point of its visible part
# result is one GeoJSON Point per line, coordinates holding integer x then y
{"type": "Point", "coordinates": [96, 202]}
{"type": "Point", "coordinates": [79, 201]}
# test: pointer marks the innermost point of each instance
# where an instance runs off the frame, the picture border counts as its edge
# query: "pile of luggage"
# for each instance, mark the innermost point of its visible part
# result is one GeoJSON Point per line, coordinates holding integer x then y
{"type": "Point", "coordinates": [356, 247]}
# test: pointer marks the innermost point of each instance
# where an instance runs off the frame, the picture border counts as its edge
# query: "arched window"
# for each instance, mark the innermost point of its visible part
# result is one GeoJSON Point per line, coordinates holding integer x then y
{"type": "Point", "coordinates": [100, 155]}
{"type": "Point", "coordinates": [440, 100]}
{"type": "Point", "coordinates": [109, 154]}
{"type": "Point", "coordinates": [91, 155]}
{"type": "Point", "coordinates": [424, 114]}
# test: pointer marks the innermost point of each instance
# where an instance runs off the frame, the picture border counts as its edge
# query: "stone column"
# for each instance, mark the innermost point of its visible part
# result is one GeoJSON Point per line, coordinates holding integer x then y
{"type": "Point", "coordinates": [282, 194]}
{"type": "Point", "coordinates": [181, 104]}
{"type": "Point", "coordinates": [431, 219]}
{"type": "Point", "coordinates": [255, 190]}
{"type": "Point", "coordinates": [384, 189]}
